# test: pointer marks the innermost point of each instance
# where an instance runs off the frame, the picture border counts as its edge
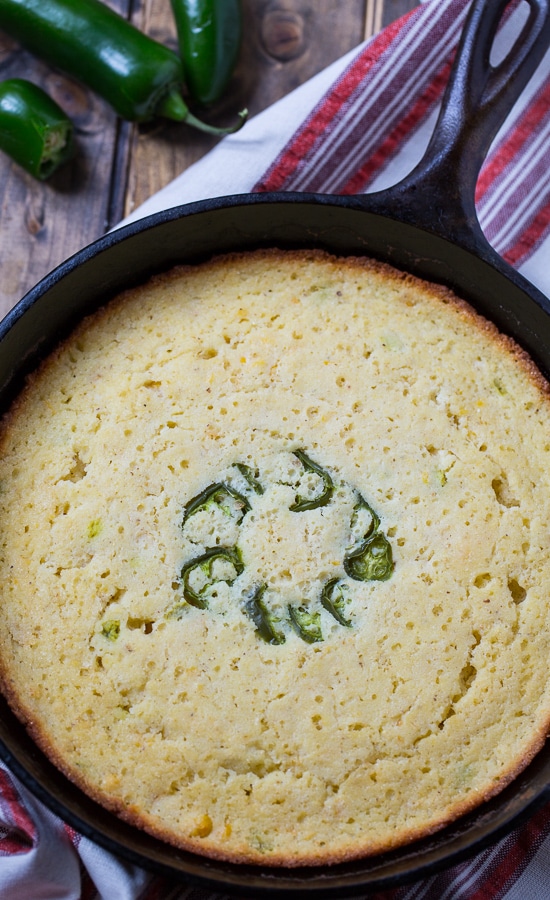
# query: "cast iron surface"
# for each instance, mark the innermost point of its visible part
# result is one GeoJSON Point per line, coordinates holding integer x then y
{"type": "Point", "coordinates": [426, 225]}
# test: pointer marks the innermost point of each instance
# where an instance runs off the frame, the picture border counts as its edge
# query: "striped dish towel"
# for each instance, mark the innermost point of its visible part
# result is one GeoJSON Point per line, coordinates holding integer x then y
{"type": "Point", "coordinates": [358, 126]}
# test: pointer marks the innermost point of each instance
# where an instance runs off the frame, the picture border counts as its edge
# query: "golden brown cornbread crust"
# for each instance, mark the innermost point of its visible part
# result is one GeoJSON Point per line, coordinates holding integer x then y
{"type": "Point", "coordinates": [427, 697]}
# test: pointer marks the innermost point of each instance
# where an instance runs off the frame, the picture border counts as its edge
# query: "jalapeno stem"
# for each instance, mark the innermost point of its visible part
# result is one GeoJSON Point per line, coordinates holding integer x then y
{"type": "Point", "coordinates": [172, 106]}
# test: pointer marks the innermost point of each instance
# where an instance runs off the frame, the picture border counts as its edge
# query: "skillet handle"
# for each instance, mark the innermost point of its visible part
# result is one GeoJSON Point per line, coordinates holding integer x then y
{"type": "Point", "coordinates": [439, 194]}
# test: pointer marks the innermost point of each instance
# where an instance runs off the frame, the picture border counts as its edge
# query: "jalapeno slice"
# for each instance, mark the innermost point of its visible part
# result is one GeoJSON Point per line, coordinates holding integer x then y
{"type": "Point", "coordinates": [357, 524]}
{"type": "Point", "coordinates": [301, 504]}
{"type": "Point", "coordinates": [306, 623]}
{"type": "Point", "coordinates": [256, 610]}
{"type": "Point", "coordinates": [333, 600]}
{"type": "Point", "coordinates": [250, 475]}
{"type": "Point", "coordinates": [217, 494]}
{"type": "Point", "coordinates": [372, 561]}
{"type": "Point", "coordinates": [370, 558]}
{"type": "Point", "coordinates": [198, 597]}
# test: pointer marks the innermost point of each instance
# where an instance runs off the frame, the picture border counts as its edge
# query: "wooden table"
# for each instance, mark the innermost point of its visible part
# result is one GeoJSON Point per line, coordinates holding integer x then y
{"type": "Point", "coordinates": [119, 165]}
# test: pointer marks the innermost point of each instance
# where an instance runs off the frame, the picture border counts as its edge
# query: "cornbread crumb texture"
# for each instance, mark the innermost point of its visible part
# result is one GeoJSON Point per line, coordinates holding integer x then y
{"type": "Point", "coordinates": [274, 558]}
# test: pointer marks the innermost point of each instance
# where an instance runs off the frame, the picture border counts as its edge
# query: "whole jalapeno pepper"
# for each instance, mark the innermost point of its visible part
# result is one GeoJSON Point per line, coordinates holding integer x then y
{"type": "Point", "coordinates": [209, 36]}
{"type": "Point", "coordinates": [34, 130]}
{"type": "Point", "coordinates": [138, 76]}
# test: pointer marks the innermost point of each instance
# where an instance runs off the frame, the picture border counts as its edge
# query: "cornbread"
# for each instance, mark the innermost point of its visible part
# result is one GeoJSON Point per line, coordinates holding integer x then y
{"type": "Point", "coordinates": [274, 558]}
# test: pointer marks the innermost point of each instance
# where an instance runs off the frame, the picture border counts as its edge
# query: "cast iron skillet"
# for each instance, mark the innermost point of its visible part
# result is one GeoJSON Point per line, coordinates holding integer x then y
{"type": "Point", "coordinates": [427, 225]}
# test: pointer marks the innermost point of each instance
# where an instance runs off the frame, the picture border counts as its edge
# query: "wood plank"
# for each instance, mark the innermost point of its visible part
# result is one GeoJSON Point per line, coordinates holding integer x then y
{"type": "Point", "coordinates": [285, 43]}
{"type": "Point", "coordinates": [44, 223]}
{"type": "Point", "coordinates": [393, 9]}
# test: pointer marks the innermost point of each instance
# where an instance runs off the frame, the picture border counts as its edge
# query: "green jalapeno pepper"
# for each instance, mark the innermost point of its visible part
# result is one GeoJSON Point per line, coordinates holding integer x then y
{"type": "Point", "coordinates": [138, 76]}
{"type": "Point", "coordinates": [34, 130]}
{"type": "Point", "coordinates": [209, 36]}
